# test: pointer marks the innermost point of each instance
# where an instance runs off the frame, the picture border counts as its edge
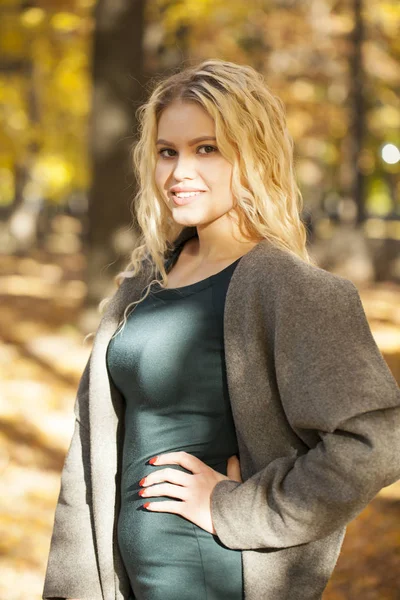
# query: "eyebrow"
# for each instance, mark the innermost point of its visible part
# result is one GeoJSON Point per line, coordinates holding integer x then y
{"type": "Point", "coordinates": [199, 139]}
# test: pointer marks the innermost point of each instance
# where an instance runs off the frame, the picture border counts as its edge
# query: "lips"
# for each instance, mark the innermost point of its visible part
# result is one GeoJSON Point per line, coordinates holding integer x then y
{"type": "Point", "coordinates": [177, 189]}
{"type": "Point", "coordinates": [185, 199]}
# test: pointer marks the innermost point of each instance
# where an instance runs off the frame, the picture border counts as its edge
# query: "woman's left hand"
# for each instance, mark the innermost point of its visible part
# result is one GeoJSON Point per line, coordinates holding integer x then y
{"type": "Point", "coordinates": [193, 489]}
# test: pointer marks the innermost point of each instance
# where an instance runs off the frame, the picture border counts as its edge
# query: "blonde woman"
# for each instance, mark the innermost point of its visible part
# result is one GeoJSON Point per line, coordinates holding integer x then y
{"type": "Point", "coordinates": [235, 412]}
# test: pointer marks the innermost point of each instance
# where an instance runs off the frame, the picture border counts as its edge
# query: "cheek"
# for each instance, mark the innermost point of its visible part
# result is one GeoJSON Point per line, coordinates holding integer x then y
{"type": "Point", "coordinates": [222, 178]}
{"type": "Point", "coordinates": [160, 175]}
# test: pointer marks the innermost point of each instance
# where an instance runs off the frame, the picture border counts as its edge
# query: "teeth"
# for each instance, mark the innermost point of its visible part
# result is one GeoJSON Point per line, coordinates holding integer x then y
{"type": "Point", "coordinates": [186, 194]}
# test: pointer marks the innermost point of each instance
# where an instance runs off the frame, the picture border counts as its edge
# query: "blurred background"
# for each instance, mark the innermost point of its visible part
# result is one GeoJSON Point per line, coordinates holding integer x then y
{"type": "Point", "coordinates": [72, 74]}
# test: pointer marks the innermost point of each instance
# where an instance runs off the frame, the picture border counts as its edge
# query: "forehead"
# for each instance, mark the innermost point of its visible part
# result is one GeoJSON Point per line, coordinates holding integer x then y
{"type": "Point", "coordinates": [184, 120]}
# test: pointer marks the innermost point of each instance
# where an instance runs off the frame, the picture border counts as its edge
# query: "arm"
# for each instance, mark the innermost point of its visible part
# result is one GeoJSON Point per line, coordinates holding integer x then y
{"type": "Point", "coordinates": [72, 569]}
{"type": "Point", "coordinates": [336, 390]}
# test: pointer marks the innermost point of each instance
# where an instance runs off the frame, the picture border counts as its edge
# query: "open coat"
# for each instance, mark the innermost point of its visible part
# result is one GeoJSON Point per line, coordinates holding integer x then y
{"type": "Point", "coordinates": [317, 417]}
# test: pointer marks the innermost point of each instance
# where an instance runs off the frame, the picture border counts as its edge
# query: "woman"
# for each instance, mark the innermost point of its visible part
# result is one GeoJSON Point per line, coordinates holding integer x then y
{"type": "Point", "coordinates": [224, 341]}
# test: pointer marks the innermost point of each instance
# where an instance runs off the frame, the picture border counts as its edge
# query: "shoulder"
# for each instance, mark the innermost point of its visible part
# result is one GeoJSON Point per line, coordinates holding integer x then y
{"type": "Point", "coordinates": [270, 270]}
{"type": "Point", "coordinates": [303, 305]}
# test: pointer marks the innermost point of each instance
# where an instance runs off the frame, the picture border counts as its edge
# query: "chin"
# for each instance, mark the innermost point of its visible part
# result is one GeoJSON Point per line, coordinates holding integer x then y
{"type": "Point", "coordinates": [186, 217]}
{"type": "Point", "coordinates": [186, 222]}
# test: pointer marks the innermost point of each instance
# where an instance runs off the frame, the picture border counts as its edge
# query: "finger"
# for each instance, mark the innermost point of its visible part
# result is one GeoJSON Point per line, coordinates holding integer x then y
{"type": "Point", "coordinates": [169, 474]}
{"type": "Point", "coordinates": [165, 506]}
{"type": "Point", "coordinates": [233, 473]}
{"type": "Point", "coordinates": [165, 489]}
{"type": "Point", "coordinates": [186, 460]}
{"type": "Point", "coordinates": [233, 469]}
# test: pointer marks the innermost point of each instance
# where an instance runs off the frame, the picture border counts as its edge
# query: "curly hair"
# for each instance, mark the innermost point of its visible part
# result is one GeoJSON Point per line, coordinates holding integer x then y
{"type": "Point", "coordinates": [251, 133]}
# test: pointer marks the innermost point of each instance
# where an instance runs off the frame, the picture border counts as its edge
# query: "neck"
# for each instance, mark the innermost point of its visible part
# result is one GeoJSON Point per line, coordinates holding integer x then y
{"type": "Point", "coordinates": [219, 241]}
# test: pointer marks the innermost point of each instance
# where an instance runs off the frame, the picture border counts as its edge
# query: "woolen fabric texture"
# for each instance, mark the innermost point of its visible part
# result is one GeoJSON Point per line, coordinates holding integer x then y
{"type": "Point", "coordinates": [317, 418]}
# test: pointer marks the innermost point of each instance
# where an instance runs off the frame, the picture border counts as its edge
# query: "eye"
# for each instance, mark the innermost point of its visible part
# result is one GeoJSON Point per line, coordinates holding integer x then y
{"type": "Point", "coordinates": [160, 152]}
{"type": "Point", "coordinates": [212, 149]}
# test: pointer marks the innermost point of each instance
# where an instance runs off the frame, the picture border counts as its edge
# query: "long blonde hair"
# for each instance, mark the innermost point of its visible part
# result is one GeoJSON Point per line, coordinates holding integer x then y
{"type": "Point", "coordinates": [251, 134]}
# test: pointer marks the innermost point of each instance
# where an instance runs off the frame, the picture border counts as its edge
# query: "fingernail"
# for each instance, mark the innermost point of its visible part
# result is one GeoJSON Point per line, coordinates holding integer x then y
{"type": "Point", "coordinates": [141, 482]}
{"type": "Point", "coordinates": [153, 460]}
{"type": "Point", "coordinates": [146, 504]}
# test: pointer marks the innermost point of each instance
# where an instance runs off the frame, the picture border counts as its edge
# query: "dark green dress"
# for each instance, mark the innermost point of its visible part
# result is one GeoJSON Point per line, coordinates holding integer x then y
{"type": "Point", "coordinates": [168, 364]}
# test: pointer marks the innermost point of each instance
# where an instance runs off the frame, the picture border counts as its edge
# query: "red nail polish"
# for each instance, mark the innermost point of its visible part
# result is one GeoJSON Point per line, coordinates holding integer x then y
{"type": "Point", "coordinates": [141, 492]}
{"type": "Point", "coordinates": [141, 482]}
{"type": "Point", "coordinates": [153, 460]}
{"type": "Point", "coordinates": [146, 504]}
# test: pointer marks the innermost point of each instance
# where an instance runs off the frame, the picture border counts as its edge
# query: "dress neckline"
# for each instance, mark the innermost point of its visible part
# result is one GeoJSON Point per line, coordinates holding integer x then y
{"type": "Point", "coordinates": [186, 290]}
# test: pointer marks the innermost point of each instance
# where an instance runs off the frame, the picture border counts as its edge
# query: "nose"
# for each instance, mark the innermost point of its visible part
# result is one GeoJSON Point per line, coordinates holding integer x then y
{"type": "Point", "coordinates": [184, 168]}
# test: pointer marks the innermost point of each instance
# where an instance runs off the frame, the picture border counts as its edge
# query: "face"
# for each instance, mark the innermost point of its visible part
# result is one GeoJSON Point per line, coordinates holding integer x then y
{"type": "Point", "coordinates": [189, 163]}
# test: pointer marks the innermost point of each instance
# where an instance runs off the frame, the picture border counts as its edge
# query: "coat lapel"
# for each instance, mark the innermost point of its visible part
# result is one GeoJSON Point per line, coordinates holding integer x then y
{"type": "Point", "coordinates": [104, 411]}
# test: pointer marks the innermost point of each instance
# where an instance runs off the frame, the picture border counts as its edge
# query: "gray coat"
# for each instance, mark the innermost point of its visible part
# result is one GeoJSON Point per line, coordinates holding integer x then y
{"type": "Point", "coordinates": [317, 417]}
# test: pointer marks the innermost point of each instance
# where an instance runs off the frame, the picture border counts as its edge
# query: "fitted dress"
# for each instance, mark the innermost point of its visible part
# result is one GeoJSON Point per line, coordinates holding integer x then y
{"type": "Point", "coordinates": [168, 363]}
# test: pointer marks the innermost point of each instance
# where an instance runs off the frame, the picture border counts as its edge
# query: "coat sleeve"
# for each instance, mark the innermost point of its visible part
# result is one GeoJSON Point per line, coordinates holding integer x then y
{"type": "Point", "coordinates": [72, 568]}
{"type": "Point", "coordinates": [341, 399]}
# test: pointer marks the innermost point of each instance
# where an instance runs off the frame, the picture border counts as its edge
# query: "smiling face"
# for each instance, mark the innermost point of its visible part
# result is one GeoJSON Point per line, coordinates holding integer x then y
{"type": "Point", "coordinates": [190, 163]}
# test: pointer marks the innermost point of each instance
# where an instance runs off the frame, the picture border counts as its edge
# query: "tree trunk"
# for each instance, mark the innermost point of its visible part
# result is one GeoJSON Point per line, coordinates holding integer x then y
{"type": "Point", "coordinates": [117, 92]}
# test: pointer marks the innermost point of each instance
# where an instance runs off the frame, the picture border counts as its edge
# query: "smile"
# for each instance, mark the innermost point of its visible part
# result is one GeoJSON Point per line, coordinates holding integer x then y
{"type": "Point", "coordinates": [186, 194]}
{"type": "Point", "coordinates": [181, 198]}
